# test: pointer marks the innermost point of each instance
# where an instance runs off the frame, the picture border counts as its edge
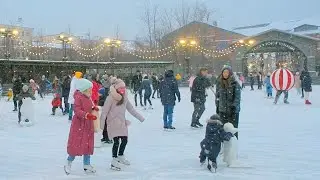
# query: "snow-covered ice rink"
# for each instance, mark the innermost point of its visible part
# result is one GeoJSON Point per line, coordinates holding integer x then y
{"type": "Point", "coordinates": [280, 142]}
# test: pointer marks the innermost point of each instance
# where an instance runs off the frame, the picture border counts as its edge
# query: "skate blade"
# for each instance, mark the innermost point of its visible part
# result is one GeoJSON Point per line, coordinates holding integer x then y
{"type": "Point", "coordinates": [89, 172]}
{"type": "Point", "coordinates": [115, 168]}
{"type": "Point", "coordinates": [64, 168]}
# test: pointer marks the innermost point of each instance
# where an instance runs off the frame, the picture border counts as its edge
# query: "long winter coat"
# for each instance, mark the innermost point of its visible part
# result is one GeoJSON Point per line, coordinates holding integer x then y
{"type": "Point", "coordinates": [72, 90]}
{"type": "Point", "coordinates": [169, 90]}
{"type": "Point", "coordinates": [267, 82]}
{"type": "Point", "coordinates": [198, 91]}
{"type": "Point", "coordinates": [66, 87]}
{"type": "Point", "coordinates": [307, 82]}
{"type": "Point", "coordinates": [17, 86]}
{"type": "Point", "coordinates": [114, 114]}
{"type": "Point", "coordinates": [81, 135]}
{"type": "Point", "coordinates": [146, 86]}
{"type": "Point", "coordinates": [136, 82]}
{"type": "Point", "coordinates": [215, 135]}
{"type": "Point", "coordinates": [228, 98]}
{"type": "Point", "coordinates": [297, 81]}
{"type": "Point", "coordinates": [155, 82]}
{"type": "Point", "coordinates": [95, 92]}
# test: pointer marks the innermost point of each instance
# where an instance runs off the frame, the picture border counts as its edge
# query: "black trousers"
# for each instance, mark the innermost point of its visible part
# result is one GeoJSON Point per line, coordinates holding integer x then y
{"type": "Point", "coordinates": [136, 96]}
{"type": "Point", "coordinates": [15, 101]}
{"type": "Point", "coordinates": [146, 98]}
{"type": "Point", "coordinates": [105, 132]}
{"type": "Point", "coordinates": [231, 118]}
{"type": "Point", "coordinates": [154, 92]}
{"type": "Point", "coordinates": [118, 148]}
{"type": "Point", "coordinates": [54, 109]}
{"type": "Point", "coordinates": [199, 108]}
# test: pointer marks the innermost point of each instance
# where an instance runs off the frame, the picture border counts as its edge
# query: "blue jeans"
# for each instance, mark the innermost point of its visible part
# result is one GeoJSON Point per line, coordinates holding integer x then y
{"type": "Point", "coordinates": [167, 115]}
{"type": "Point", "coordinates": [70, 112]}
{"type": "Point", "coordinates": [86, 159]}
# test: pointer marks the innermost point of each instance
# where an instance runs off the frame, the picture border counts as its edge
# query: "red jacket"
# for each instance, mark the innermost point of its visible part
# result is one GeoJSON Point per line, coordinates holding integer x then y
{"type": "Point", "coordinates": [56, 102]}
{"type": "Point", "coordinates": [81, 135]}
{"type": "Point", "coordinates": [95, 92]}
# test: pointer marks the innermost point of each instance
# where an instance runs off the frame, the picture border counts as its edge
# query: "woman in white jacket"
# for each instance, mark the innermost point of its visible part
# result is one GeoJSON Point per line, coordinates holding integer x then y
{"type": "Point", "coordinates": [76, 76]}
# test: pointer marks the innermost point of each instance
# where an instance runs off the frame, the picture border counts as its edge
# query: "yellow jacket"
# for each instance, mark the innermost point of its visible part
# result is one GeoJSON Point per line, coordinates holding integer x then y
{"type": "Point", "coordinates": [178, 77]}
{"type": "Point", "coordinates": [9, 93]}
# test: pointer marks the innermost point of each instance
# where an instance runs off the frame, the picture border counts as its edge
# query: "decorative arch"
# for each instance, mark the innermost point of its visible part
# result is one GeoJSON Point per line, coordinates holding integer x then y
{"type": "Point", "coordinates": [280, 46]}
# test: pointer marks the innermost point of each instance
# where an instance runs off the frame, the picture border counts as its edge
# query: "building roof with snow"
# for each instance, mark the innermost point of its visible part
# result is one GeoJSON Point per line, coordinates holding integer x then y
{"type": "Point", "coordinates": [302, 27]}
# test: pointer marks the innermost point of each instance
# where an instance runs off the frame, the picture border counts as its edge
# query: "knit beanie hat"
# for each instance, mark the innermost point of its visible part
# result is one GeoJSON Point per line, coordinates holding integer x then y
{"type": "Point", "coordinates": [83, 84]}
{"type": "Point", "coordinates": [226, 67]}
{"type": "Point", "coordinates": [215, 117]}
{"type": "Point", "coordinates": [78, 74]}
{"type": "Point", "coordinates": [113, 80]}
{"type": "Point", "coordinates": [118, 83]}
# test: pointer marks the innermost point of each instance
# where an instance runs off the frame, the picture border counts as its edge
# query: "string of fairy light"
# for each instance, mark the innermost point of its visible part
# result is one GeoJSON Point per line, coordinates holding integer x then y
{"type": "Point", "coordinates": [150, 54]}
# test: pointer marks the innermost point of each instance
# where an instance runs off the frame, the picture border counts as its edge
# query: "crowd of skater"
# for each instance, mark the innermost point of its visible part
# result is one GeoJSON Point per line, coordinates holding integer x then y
{"type": "Point", "coordinates": [84, 96]}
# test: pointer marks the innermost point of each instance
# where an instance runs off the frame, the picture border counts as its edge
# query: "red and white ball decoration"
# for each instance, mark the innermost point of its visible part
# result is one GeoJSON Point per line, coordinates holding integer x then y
{"type": "Point", "coordinates": [282, 79]}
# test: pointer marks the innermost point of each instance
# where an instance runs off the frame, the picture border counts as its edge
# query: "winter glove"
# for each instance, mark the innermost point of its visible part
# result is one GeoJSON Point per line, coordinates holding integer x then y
{"type": "Point", "coordinates": [179, 99]}
{"type": "Point", "coordinates": [228, 136]}
{"type": "Point", "coordinates": [95, 108]}
{"type": "Point", "coordinates": [90, 116]}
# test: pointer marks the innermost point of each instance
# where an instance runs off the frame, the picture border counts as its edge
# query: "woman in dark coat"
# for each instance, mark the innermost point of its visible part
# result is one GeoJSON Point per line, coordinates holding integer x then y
{"type": "Point", "coordinates": [228, 96]}
{"type": "Point", "coordinates": [65, 93]}
{"type": "Point", "coordinates": [306, 84]}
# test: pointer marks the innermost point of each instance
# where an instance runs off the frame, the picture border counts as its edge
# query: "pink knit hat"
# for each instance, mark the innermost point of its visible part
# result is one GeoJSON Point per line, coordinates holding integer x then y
{"type": "Point", "coordinates": [118, 83]}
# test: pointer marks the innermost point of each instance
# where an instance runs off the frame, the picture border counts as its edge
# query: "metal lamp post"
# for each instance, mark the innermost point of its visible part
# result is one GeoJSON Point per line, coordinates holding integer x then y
{"type": "Point", "coordinates": [112, 43]}
{"type": "Point", "coordinates": [7, 34]}
{"type": "Point", "coordinates": [187, 44]}
{"type": "Point", "coordinates": [65, 41]}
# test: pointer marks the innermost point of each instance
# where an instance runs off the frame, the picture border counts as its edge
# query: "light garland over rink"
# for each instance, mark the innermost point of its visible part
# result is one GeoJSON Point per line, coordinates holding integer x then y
{"type": "Point", "coordinates": [139, 53]}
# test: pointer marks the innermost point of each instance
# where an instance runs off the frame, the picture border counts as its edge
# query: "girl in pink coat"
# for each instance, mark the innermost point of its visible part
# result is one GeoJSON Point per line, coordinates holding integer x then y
{"type": "Point", "coordinates": [113, 112]}
{"type": "Point", "coordinates": [81, 135]}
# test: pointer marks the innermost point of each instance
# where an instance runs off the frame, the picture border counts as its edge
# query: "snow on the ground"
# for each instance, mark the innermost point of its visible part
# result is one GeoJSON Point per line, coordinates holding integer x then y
{"type": "Point", "coordinates": [279, 141]}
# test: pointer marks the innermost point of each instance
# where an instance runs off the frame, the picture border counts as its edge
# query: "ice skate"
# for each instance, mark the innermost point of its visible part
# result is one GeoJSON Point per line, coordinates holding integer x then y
{"type": "Point", "coordinates": [150, 107]}
{"type": "Point", "coordinates": [202, 160]}
{"type": "Point", "coordinates": [67, 167]}
{"type": "Point", "coordinates": [123, 160]}
{"type": "Point", "coordinates": [89, 169]}
{"type": "Point", "coordinates": [115, 164]}
{"type": "Point", "coordinates": [199, 124]}
{"type": "Point", "coordinates": [212, 166]}
{"type": "Point", "coordinates": [194, 126]}
{"type": "Point", "coordinates": [307, 102]}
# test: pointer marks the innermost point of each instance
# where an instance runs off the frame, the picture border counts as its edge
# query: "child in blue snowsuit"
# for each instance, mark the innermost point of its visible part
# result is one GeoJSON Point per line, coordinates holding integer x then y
{"type": "Point", "coordinates": [268, 86]}
{"type": "Point", "coordinates": [211, 144]}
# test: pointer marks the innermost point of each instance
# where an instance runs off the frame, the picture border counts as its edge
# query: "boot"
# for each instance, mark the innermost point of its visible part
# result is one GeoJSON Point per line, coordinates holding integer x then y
{"type": "Point", "coordinates": [307, 102]}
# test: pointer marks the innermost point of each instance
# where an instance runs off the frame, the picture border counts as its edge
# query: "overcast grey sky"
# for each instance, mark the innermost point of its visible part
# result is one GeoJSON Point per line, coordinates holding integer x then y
{"type": "Point", "coordinates": [103, 16]}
